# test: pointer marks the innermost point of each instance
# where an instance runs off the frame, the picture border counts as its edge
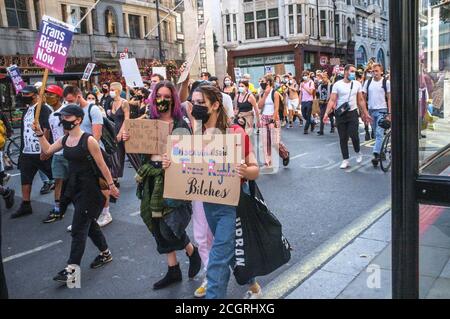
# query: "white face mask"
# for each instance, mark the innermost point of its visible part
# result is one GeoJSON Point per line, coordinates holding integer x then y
{"type": "Point", "coordinates": [305, 78]}
{"type": "Point", "coordinates": [241, 90]}
{"type": "Point", "coordinates": [227, 83]}
{"type": "Point", "coordinates": [113, 94]}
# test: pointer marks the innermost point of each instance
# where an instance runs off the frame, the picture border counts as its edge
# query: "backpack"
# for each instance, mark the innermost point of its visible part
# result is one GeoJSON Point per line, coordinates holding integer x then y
{"type": "Point", "coordinates": [108, 134]}
{"type": "Point", "coordinates": [384, 88]}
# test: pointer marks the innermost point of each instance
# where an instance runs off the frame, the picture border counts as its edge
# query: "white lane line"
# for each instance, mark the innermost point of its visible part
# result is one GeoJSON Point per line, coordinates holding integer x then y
{"type": "Point", "coordinates": [14, 175]}
{"type": "Point", "coordinates": [298, 156]}
{"type": "Point", "coordinates": [334, 143]}
{"type": "Point", "coordinates": [135, 213]}
{"type": "Point", "coordinates": [358, 166]}
{"type": "Point", "coordinates": [32, 251]}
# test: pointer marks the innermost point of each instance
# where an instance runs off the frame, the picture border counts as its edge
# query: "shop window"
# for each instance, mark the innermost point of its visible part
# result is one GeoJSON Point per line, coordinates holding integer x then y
{"type": "Point", "coordinates": [16, 13]}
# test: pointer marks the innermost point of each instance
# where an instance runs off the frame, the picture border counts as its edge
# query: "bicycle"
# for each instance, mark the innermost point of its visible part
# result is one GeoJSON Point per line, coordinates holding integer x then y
{"type": "Point", "coordinates": [13, 149]}
{"type": "Point", "coordinates": [386, 150]}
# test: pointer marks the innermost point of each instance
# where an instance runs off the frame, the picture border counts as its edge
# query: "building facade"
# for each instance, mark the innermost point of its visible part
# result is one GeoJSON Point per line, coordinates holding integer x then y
{"type": "Point", "coordinates": [111, 28]}
{"type": "Point", "coordinates": [372, 31]}
{"type": "Point", "coordinates": [299, 34]}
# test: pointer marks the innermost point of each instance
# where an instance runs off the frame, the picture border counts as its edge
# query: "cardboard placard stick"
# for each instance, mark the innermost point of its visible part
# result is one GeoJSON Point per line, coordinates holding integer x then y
{"type": "Point", "coordinates": [41, 97]}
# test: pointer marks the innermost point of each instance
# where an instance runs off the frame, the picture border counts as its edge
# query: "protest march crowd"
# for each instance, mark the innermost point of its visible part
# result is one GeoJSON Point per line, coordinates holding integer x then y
{"type": "Point", "coordinates": [79, 141]}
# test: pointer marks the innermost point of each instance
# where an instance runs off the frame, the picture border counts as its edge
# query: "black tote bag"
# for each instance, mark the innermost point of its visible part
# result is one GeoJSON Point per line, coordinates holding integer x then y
{"type": "Point", "coordinates": [260, 247]}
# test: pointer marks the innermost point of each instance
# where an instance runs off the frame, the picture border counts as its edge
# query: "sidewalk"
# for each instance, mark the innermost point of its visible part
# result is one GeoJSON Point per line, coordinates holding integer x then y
{"type": "Point", "coordinates": [362, 270]}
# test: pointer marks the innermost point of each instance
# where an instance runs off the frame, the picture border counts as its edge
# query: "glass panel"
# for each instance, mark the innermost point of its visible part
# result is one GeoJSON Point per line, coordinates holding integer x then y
{"type": "Point", "coordinates": [249, 16]}
{"type": "Point", "coordinates": [434, 87]}
{"type": "Point", "coordinates": [273, 13]}
{"type": "Point", "coordinates": [434, 252]}
{"type": "Point", "coordinates": [260, 14]}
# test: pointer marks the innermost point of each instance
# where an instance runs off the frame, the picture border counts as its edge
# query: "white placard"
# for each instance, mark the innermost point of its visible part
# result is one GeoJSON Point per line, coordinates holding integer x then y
{"type": "Point", "coordinates": [161, 70]}
{"type": "Point", "coordinates": [130, 72]}
{"type": "Point", "coordinates": [88, 71]}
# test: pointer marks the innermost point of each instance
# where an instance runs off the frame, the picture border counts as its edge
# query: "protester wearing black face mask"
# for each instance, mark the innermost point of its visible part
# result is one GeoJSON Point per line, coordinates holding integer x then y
{"type": "Point", "coordinates": [106, 100]}
{"type": "Point", "coordinates": [166, 107]}
{"type": "Point", "coordinates": [88, 176]}
{"type": "Point", "coordinates": [31, 160]}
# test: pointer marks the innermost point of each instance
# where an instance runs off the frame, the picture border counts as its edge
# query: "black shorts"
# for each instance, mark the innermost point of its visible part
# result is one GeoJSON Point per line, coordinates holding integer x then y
{"type": "Point", "coordinates": [30, 164]}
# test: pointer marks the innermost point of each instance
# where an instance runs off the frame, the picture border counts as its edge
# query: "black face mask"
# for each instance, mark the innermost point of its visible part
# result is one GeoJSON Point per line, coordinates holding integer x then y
{"type": "Point", "coordinates": [27, 100]}
{"type": "Point", "coordinates": [263, 86]}
{"type": "Point", "coordinates": [105, 91]}
{"type": "Point", "coordinates": [67, 125]}
{"type": "Point", "coordinates": [200, 113]}
{"type": "Point", "coordinates": [163, 105]}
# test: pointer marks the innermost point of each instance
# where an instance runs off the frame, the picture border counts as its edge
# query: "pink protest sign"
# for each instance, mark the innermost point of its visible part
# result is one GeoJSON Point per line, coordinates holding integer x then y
{"type": "Point", "coordinates": [16, 79]}
{"type": "Point", "coordinates": [53, 43]}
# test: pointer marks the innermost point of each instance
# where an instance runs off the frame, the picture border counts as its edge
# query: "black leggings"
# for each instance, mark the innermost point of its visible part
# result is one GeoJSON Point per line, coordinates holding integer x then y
{"type": "Point", "coordinates": [348, 127]}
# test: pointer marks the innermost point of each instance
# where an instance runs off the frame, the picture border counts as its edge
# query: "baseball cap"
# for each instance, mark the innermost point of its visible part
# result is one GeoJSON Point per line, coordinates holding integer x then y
{"type": "Point", "coordinates": [29, 89]}
{"type": "Point", "coordinates": [71, 109]}
{"type": "Point", "coordinates": [55, 89]}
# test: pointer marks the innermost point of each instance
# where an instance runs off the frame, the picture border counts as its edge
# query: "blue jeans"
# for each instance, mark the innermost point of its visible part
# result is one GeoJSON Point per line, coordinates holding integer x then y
{"type": "Point", "coordinates": [222, 222]}
{"type": "Point", "coordinates": [377, 115]}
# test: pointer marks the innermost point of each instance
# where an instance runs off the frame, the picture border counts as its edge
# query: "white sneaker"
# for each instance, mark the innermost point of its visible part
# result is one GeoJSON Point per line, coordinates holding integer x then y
{"type": "Point", "coordinates": [200, 292]}
{"type": "Point", "coordinates": [69, 228]}
{"type": "Point", "coordinates": [345, 164]}
{"type": "Point", "coordinates": [104, 219]}
{"type": "Point", "coordinates": [359, 158]}
{"type": "Point", "coordinates": [252, 295]}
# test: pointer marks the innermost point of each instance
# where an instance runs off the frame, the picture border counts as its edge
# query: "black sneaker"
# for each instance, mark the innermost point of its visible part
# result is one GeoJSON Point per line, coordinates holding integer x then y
{"type": "Point", "coordinates": [47, 188]}
{"type": "Point", "coordinates": [375, 160]}
{"type": "Point", "coordinates": [286, 161]}
{"type": "Point", "coordinates": [9, 167]}
{"type": "Point", "coordinates": [373, 134]}
{"type": "Point", "coordinates": [53, 216]}
{"type": "Point", "coordinates": [24, 210]}
{"type": "Point", "coordinates": [367, 137]}
{"type": "Point", "coordinates": [320, 133]}
{"type": "Point", "coordinates": [9, 197]}
{"type": "Point", "coordinates": [101, 260]}
{"type": "Point", "coordinates": [195, 263]}
{"type": "Point", "coordinates": [305, 132]}
{"type": "Point", "coordinates": [332, 130]}
{"type": "Point", "coordinates": [65, 276]}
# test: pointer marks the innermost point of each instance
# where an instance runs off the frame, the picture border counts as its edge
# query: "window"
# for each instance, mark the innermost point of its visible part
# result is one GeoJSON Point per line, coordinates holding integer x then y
{"type": "Point", "coordinates": [146, 25]}
{"type": "Point", "coordinates": [165, 31]}
{"type": "Point", "coordinates": [361, 56]}
{"type": "Point", "coordinates": [274, 29]}
{"type": "Point", "coordinates": [344, 28]}
{"type": "Point", "coordinates": [37, 11]}
{"type": "Point", "coordinates": [323, 23]}
{"type": "Point", "coordinates": [16, 13]}
{"type": "Point", "coordinates": [234, 27]}
{"type": "Point", "coordinates": [312, 22]}
{"type": "Point", "coordinates": [135, 30]}
{"type": "Point", "coordinates": [110, 23]}
{"type": "Point", "coordinates": [179, 23]}
{"type": "Point", "coordinates": [72, 14]}
{"type": "Point", "coordinates": [291, 19]}
{"type": "Point", "coordinates": [299, 19]}
{"type": "Point", "coordinates": [124, 19]}
{"type": "Point", "coordinates": [228, 27]}
{"type": "Point", "coordinates": [261, 24]}
{"type": "Point", "coordinates": [338, 33]}
{"type": "Point", "coordinates": [331, 23]}
{"type": "Point", "coordinates": [94, 18]}
{"type": "Point", "coordinates": [249, 25]}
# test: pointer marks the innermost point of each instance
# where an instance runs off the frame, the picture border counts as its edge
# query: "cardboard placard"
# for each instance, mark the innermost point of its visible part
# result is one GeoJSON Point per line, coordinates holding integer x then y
{"type": "Point", "coordinates": [280, 69]}
{"type": "Point", "coordinates": [146, 136]}
{"type": "Point", "coordinates": [196, 174]}
{"type": "Point", "coordinates": [335, 61]}
{"type": "Point", "coordinates": [161, 70]}
{"type": "Point", "coordinates": [52, 47]}
{"type": "Point", "coordinates": [323, 60]}
{"type": "Point", "coordinates": [193, 53]}
{"type": "Point", "coordinates": [16, 78]}
{"type": "Point", "coordinates": [131, 73]}
{"type": "Point", "coordinates": [88, 71]}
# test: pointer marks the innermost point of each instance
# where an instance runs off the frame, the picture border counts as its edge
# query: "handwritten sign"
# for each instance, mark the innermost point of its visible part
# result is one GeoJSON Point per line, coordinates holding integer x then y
{"type": "Point", "coordinates": [52, 47]}
{"type": "Point", "coordinates": [203, 168]}
{"type": "Point", "coordinates": [193, 53]}
{"type": "Point", "coordinates": [146, 136]}
{"type": "Point", "coordinates": [131, 73]}
{"type": "Point", "coordinates": [323, 60]}
{"type": "Point", "coordinates": [88, 71]}
{"type": "Point", "coordinates": [16, 78]}
{"type": "Point", "coordinates": [335, 61]}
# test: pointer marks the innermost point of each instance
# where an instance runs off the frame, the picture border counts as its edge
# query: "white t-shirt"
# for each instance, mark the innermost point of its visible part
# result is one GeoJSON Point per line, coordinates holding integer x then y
{"type": "Point", "coordinates": [377, 95]}
{"type": "Point", "coordinates": [228, 104]}
{"type": "Point", "coordinates": [55, 127]}
{"type": "Point", "coordinates": [30, 140]}
{"type": "Point", "coordinates": [269, 105]}
{"type": "Point", "coordinates": [342, 90]}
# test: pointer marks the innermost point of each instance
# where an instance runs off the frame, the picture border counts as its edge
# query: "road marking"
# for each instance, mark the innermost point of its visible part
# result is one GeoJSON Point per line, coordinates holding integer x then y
{"type": "Point", "coordinates": [332, 144]}
{"type": "Point", "coordinates": [298, 156]}
{"type": "Point", "coordinates": [298, 273]}
{"type": "Point", "coordinates": [358, 166]}
{"type": "Point", "coordinates": [135, 213]}
{"type": "Point", "coordinates": [14, 175]}
{"type": "Point", "coordinates": [32, 251]}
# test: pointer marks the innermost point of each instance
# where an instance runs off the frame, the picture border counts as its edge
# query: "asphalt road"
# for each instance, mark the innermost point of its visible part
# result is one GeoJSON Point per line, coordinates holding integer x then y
{"type": "Point", "coordinates": [313, 199]}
